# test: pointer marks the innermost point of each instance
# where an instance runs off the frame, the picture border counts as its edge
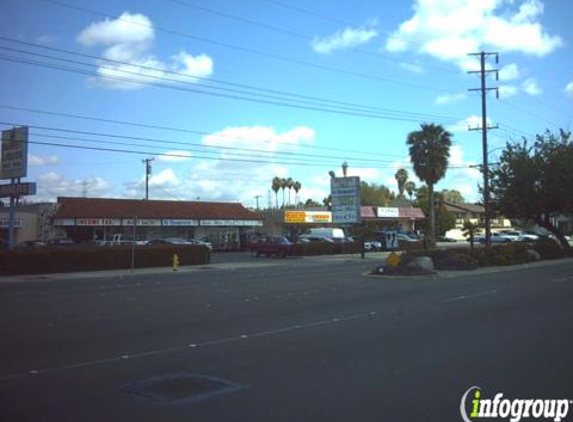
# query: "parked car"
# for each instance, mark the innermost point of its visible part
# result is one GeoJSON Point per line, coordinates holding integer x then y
{"type": "Point", "coordinates": [64, 241]}
{"type": "Point", "coordinates": [30, 244]}
{"type": "Point", "coordinates": [170, 241]}
{"type": "Point", "coordinates": [495, 238]}
{"type": "Point", "coordinates": [372, 245]}
{"type": "Point", "coordinates": [405, 238]}
{"type": "Point", "coordinates": [201, 242]}
{"type": "Point", "coordinates": [514, 235]}
{"type": "Point", "coordinates": [279, 246]}
{"type": "Point", "coordinates": [445, 238]}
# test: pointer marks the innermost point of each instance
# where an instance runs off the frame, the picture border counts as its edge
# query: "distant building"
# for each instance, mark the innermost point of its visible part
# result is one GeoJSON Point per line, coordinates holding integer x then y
{"type": "Point", "coordinates": [475, 214]}
{"type": "Point", "coordinates": [224, 224]}
{"type": "Point", "coordinates": [32, 222]}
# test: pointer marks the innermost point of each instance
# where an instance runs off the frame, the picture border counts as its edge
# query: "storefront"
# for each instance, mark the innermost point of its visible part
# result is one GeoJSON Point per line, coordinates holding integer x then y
{"type": "Point", "coordinates": [223, 224]}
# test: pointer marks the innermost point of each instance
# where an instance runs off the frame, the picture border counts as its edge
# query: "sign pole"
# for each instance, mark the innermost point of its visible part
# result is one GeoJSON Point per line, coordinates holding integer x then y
{"type": "Point", "coordinates": [133, 244]}
{"type": "Point", "coordinates": [12, 220]}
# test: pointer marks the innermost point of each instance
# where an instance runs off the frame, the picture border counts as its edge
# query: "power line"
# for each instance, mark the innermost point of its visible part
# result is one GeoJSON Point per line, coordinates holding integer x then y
{"type": "Point", "coordinates": [216, 94]}
{"type": "Point", "coordinates": [165, 143]}
{"type": "Point", "coordinates": [243, 49]}
{"type": "Point", "coordinates": [173, 129]}
{"type": "Point", "coordinates": [296, 34]}
{"type": "Point", "coordinates": [342, 105]}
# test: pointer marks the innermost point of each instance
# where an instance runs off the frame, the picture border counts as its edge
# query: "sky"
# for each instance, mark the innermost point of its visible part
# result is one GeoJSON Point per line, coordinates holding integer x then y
{"type": "Point", "coordinates": [227, 94]}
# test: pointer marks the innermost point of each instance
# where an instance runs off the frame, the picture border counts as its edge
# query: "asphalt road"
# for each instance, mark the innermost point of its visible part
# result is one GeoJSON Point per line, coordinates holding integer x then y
{"type": "Point", "coordinates": [284, 340]}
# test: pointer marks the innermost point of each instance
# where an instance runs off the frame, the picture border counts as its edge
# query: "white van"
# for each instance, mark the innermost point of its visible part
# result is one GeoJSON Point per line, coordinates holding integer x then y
{"type": "Point", "coordinates": [335, 234]}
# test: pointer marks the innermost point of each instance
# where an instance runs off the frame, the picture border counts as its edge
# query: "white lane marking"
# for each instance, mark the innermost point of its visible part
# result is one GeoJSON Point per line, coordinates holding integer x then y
{"type": "Point", "coordinates": [157, 352]}
{"type": "Point", "coordinates": [464, 297]}
{"type": "Point", "coordinates": [561, 280]}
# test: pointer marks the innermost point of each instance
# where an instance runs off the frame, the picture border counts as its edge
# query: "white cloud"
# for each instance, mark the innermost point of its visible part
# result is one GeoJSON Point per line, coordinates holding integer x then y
{"type": "Point", "coordinates": [128, 40]}
{"type": "Point", "coordinates": [450, 98]}
{"type": "Point", "coordinates": [509, 72]}
{"type": "Point", "coordinates": [52, 185]}
{"type": "Point", "coordinates": [260, 138]}
{"type": "Point", "coordinates": [346, 38]}
{"type": "Point", "coordinates": [569, 90]}
{"type": "Point", "coordinates": [531, 87]}
{"type": "Point", "coordinates": [36, 160]}
{"type": "Point", "coordinates": [508, 91]}
{"type": "Point", "coordinates": [165, 178]}
{"type": "Point", "coordinates": [175, 156]}
{"type": "Point", "coordinates": [464, 125]}
{"type": "Point", "coordinates": [450, 29]}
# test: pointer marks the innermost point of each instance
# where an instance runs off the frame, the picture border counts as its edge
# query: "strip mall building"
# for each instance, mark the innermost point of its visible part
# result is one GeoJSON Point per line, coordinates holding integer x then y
{"type": "Point", "coordinates": [224, 224]}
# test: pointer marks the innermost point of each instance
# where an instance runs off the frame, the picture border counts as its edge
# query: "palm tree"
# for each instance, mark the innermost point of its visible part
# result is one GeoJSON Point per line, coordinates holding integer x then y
{"type": "Point", "coordinates": [401, 177]}
{"type": "Point", "coordinates": [276, 185]}
{"type": "Point", "coordinates": [429, 153]}
{"type": "Point", "coordinates": [410, 188]}
{"type": "Point", "coordinates": [344, 168]}
{"type": "Point", "coordinates": [289, 185]}
{"type": "Point", "coordinates": [296, 186]}
{"type": "Point", "coordinates": [283, 187]}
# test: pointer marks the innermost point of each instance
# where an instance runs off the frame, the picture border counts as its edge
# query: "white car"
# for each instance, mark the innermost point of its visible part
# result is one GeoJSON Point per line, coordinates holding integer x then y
{"type": "Point", "coordinates": [513, 235]}
{"type": "Point", "coordinates": [372, 245]}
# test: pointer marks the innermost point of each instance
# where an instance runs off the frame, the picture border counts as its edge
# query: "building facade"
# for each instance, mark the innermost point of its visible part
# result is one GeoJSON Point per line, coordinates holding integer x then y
{"type": "Point", "coordinates": [223, 224]}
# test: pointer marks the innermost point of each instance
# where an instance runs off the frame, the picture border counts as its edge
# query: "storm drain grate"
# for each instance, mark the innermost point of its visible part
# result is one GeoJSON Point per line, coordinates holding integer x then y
{"type": "Point", "coordinates": [181, 387]}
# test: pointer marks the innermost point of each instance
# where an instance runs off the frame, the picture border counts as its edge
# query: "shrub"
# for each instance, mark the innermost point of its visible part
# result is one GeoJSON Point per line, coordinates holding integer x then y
{"type": "Point", "coordinates": [410, 246]}
{"type": "Point", "coordinates": [452, 259]}
{"type": "Point", "coordinates": [91, 258]}
{"type": "Point", "coordinates": [326, 248]}
{"type": "Point", "coordinates": [548, 248]}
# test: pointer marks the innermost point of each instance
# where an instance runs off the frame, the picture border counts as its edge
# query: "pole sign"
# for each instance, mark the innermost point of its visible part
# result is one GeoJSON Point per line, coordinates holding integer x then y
{"type": "Point", "coordinates": [345, 194]}
{"type": "Point", "coordinates": [14, 163]}
{"type": "Point", "coordinates": [14, 190]}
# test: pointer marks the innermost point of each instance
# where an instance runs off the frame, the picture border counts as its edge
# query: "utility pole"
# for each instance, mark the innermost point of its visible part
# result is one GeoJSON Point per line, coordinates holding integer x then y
{"type": "Point", "coordinates": [257, 198]}
{"type": "Point", "coordinates": [147, 162]}
{"type": "Point", "coordinates": [484, 128]}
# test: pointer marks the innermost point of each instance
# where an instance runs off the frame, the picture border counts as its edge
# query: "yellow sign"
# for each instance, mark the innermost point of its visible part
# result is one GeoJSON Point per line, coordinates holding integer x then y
{"type": "Point", "coordinates": [301, 217]}
{"type": "Point", "coordinates": [295, 217]}
{"type": "Point", "coordinates": [393, 259]}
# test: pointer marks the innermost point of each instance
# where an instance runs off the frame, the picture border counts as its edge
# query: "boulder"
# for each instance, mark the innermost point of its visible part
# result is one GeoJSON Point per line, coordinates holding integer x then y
{"type": "Point", "coordinates": [421, 264]}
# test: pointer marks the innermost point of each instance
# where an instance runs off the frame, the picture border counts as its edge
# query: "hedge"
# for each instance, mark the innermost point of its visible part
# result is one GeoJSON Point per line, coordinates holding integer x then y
{"type": "Point", "coordinates": [326, 248]}
{"type": "Point", "coordinates": [92, 258]}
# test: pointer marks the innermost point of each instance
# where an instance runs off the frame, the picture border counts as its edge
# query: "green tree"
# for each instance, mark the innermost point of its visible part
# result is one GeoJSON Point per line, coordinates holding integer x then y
{"type": "Point", "coordinates": [289, 185]}
{"type": "Point", "coordinates": [470, 230]}
{"type": "Point", "coordinates": [311, 203]}
{"type": "Point", "coordinates": [375, 195]}
{"type": "Point", "coordinates": [410, 188]}
{"type": "Point", "coordinates": [275, 186]}
{"type": "Point", "coordinates": [453, 196]}
{"type": "Point", "coordinates": [296, 186]}
{"type": "Point", "coordinates": [401, 177]}
{"type": "Point", "coordinates": [445, 220]}
{"type": "Point", "coordinates": [429, 150]}
{"type": "Point", "coordinates": [535, 183]}
{"type": "Point", "coordinates": [283, 187]}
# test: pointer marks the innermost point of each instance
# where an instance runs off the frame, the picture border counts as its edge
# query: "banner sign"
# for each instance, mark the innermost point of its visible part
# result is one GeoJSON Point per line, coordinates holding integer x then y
{"type": "Point", "coordinates": [301, 217]}
{"type": "Point", "coordinates": [387, 212]}
{"type": "Point", "coordinates": [17, 189]}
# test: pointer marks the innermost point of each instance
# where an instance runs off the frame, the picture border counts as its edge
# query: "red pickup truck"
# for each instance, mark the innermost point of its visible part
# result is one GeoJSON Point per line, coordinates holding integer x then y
{"type": "Point", "coordinates": [279, 246]}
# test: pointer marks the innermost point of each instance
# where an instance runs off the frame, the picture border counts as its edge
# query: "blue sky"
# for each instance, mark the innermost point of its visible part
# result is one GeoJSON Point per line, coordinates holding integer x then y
{"type": "Point", "coordinates": [325, 82]}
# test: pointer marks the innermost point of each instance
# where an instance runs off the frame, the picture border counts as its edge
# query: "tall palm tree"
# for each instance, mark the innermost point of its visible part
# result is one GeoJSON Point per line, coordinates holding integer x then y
{"type": "Point", "coordinates": [289, 185]}
{"type": "Point", "coordinates": [410, 188]}
{"type": "Point", "coordinates": [283, 187]}
{"type": "Point", "coordinates": [401, 177]}
{"type": "Point", "coordinates": [344, 168]}
{"type": "Point", "coordinates": [296, 186]}
{"type": "Point", "coordinates": [275, 186]}
{"type": "Point", "coordinates": [429, 152]}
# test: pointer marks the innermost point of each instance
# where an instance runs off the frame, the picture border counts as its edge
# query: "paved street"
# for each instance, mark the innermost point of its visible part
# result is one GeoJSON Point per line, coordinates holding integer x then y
{"type": "Point", "coordinates": [296, 339]}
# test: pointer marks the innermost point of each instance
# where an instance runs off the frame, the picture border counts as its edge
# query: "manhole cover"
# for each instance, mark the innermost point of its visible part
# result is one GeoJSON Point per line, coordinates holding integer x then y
{"type": "Point", "coordinates": [181, 387]}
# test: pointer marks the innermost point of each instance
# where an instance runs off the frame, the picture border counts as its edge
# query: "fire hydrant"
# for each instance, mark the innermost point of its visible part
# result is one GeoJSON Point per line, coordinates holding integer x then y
{"type": "Point", "coordinates": [175, 262]}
